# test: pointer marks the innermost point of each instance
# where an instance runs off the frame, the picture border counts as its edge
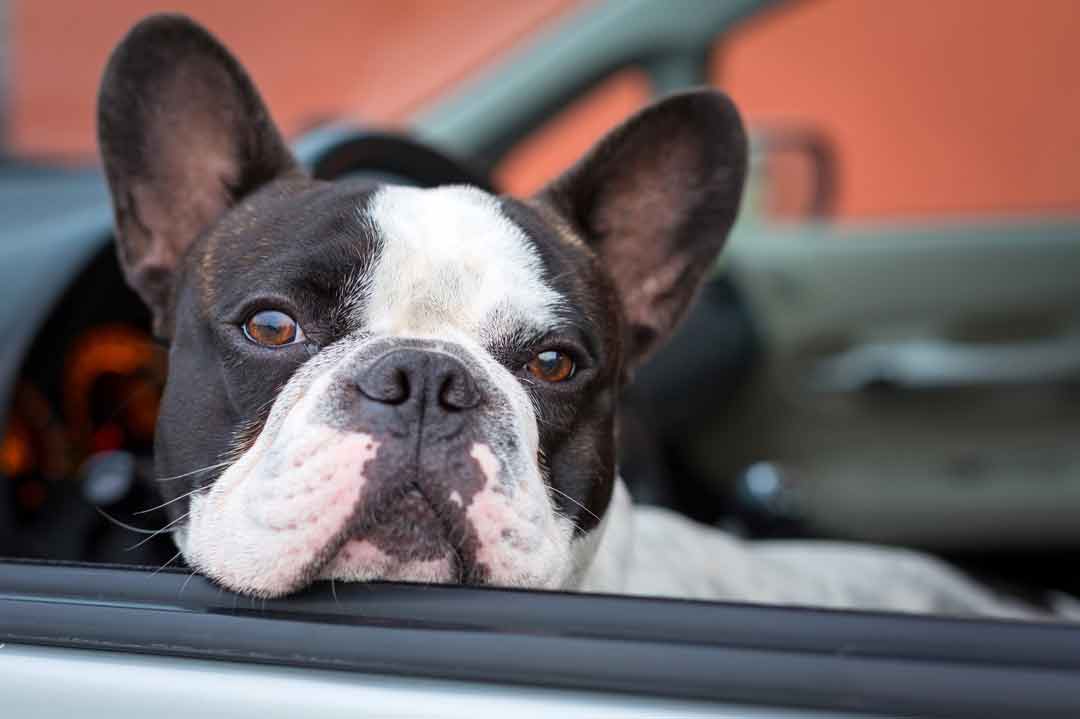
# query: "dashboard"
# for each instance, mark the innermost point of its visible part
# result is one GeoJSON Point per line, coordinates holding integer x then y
{"type": "Point", "coordinates": [77, 446]}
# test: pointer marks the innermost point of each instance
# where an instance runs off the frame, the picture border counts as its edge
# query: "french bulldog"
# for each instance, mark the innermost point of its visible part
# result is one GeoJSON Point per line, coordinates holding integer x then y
{"type": "Point", "coordinates": [378, 382]}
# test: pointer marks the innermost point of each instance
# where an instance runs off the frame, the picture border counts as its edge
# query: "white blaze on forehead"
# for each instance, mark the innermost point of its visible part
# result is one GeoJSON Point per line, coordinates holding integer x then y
{"type": "Point", "coordinates": [450, 257]}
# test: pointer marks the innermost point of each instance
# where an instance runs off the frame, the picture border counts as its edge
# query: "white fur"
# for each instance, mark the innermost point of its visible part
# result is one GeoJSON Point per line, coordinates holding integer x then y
{"type": "Point", "coordinates": [450, 258]}
{"type": "Point", "coordinates": [523, 540]}
{"type": "Point", "coordinates": [452, 267]}
{"type": "Point", "coordinates": [287, 498]}
{"type": "Point", "coordinates": [653, 551]}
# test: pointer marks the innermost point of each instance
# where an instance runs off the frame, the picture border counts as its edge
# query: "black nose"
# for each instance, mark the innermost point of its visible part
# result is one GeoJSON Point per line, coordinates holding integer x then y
{"type": "Point", "coordinates": [415, 375]}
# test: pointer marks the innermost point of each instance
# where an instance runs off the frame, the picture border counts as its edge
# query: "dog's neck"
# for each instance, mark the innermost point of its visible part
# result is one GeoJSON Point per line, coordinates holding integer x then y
{"type": "Point", "coordinates": [604, 559]}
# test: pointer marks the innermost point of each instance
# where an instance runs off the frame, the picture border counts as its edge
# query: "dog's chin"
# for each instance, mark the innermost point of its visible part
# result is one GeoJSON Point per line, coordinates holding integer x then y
{"type": "Point", "coordinates": [415, 543]}
{"type": "Point", "coordinates": [360, 560]}
{"type": "Point", "coordinates": [315, 505]}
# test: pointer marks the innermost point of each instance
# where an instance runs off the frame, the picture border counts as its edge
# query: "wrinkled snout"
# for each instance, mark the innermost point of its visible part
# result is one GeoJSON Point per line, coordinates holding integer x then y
{"type": "Point", "coordinates": [404, 459]}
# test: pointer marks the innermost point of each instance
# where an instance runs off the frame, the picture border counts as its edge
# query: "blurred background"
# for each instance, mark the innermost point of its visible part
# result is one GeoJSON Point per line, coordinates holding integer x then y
{"type": "Point", "coordinates": [888, 351]}
{"type": "Point", "coordinates": [929, 107]}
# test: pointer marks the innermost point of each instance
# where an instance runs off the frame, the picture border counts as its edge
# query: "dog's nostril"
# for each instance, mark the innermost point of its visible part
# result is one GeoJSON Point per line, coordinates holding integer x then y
{"type": "Point", "coordinates": [457, 391]}
{"type": "Point", "coordinates": [398, 388]}
{"type": "Point", "coordinates": [417, 376]}
{"type": "Point", "coordinates": [385, 382]}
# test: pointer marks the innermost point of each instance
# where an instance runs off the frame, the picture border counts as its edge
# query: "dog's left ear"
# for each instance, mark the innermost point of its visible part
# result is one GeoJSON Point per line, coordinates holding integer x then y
{"type": "Point", "coordinates": [184, 136]}
{"type": "Point", "coordinates": [655, 199]}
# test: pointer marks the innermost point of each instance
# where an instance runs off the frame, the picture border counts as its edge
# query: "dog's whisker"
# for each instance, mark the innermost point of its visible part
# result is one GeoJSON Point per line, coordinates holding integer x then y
{"type": "Point", "coordinates": [265, 405]}
{"type": "Point", "coordinates": [122, 525]}
{"type": "Point", "coordinates": [164, 529]}
{"type": "Point", "coordinates": [167, 563]}
{"type": "Point", "coordinates": [564, 494]}
{"type": "Point", "coordinates": [564, 516]}
{"type": "Point", "coordinates": [184, 585]}
{"type": "Point", "coordinates": [174, 499]}
{"type": "Point", "coordinates": [561, 276]}
{"type": "Point", "coordinates": [210, 468]}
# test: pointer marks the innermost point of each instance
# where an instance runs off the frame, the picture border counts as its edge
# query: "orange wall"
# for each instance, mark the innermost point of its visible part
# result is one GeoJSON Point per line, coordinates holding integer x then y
{"type": "Point", "coordinates": [368, 59]}
{"type": "Point", "coordinates": [934, 105]}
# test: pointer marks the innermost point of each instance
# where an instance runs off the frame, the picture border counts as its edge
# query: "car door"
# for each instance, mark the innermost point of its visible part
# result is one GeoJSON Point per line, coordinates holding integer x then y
{"type": "Point", "coordinates": [909, 255]}
{"type": "Point", "coordinates": [919, 381]}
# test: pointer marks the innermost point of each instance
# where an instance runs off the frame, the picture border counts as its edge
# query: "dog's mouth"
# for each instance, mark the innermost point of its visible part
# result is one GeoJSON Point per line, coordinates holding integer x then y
{"type": "Point", "coordinates": [347, 506]}
{"type": "Point", "coordinates": [407, 535]}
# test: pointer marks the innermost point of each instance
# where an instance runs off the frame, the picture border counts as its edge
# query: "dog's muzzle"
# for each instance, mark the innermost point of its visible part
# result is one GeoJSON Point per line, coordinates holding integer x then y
{"type": "Point", "coordinates": [400, 459]}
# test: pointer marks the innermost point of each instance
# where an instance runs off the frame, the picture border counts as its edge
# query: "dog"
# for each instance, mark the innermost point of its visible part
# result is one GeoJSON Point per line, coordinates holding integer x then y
{"type": "Point", "coordinates": [377, 382]}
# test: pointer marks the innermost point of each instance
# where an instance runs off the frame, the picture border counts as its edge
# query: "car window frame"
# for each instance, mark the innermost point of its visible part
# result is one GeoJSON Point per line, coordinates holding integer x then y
{"type": "Point", "coordinates": [680, 649]}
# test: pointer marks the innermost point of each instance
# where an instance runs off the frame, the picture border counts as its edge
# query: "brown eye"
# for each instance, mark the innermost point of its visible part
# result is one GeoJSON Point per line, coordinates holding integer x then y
{"type": "Point", "coordinates": [271, 328]}
{"type": "Point", "coordinates": [551, 366]}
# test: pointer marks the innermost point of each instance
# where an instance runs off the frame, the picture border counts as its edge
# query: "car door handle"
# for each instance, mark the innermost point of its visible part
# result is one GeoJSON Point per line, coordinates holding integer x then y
{"type": "Point", "coordinates": [943, 364]}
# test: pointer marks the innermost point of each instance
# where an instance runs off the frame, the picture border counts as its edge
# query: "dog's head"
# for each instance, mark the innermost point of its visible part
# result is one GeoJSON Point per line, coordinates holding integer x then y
{"type": "Point", "coordinates": [380, 382]}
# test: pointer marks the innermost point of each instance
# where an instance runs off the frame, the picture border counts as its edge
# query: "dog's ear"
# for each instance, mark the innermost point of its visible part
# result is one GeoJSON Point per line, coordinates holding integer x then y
{"type": "Point", "coordinates": [183, 135]}
{"type": "Point", "coordinates": [655, 199]}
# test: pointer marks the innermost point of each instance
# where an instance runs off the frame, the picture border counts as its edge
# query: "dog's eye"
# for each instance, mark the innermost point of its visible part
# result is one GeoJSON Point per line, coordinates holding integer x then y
{"type": "Point", "coordinates": [272, 328]}
{"type": "Point", "coordinates": [551, 366]}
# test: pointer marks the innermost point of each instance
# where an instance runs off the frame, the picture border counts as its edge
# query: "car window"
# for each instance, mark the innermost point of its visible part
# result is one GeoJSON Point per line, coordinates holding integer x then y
{"type": "Point", "coordinates": [846, 482]}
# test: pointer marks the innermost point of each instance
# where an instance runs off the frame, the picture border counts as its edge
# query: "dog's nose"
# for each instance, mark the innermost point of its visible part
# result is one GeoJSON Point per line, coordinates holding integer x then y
{"type": "Point", "coordinates": [415, 375]}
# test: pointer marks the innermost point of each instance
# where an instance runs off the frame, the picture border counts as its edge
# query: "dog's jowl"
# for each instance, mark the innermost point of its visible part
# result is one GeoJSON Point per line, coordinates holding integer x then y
{"type": "Point", "coordinates": [380, 382]}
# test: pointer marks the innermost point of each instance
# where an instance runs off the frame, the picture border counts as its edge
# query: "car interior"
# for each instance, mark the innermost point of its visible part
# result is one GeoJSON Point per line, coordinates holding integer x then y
{"type": "Point", "coordinates": [909, 382]}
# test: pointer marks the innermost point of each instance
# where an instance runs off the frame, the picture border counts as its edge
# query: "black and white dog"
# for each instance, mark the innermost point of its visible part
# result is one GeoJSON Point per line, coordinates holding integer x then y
{"type": "Point", "coordinates": [380, 382]}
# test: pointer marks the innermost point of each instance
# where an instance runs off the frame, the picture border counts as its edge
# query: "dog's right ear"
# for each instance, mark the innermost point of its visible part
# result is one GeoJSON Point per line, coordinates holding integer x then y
{"type": "Point", "coordinates": [655, 199]}
{"type": "Point", "coordinates": [183, 135]}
